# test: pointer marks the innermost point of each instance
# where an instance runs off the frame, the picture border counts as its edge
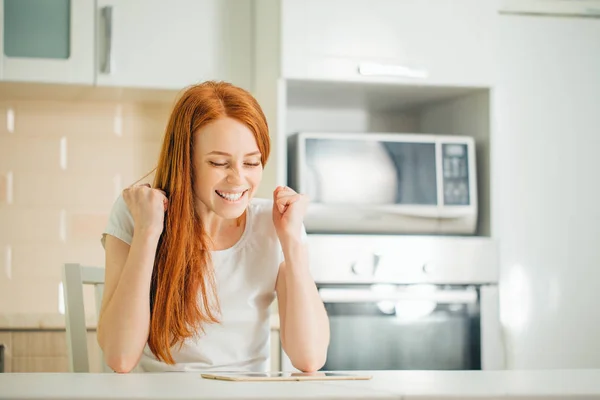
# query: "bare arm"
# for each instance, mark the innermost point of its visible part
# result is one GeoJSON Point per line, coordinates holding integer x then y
{"type": "Point", "coordinates": [303, 319]}
{"type": "Point", "coordinates": [124, 321]}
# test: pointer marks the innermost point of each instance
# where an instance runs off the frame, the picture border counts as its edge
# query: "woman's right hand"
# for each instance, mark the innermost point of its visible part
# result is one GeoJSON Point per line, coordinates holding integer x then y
{"type": "Point", "coordinates": [147, 206]}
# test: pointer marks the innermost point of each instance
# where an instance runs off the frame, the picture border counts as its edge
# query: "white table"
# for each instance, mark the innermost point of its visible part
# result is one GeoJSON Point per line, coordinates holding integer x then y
{"type": "Point", "coordinates": [568, 384]}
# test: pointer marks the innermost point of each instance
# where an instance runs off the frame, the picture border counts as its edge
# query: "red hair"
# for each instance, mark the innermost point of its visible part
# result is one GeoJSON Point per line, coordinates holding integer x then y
{"type": "Point", "coordinates": [183, 296]}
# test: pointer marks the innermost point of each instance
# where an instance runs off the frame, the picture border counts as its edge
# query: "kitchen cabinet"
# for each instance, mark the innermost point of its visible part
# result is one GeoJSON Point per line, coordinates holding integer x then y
{"type": "Point", "coordinates": [545, 211]}
{"type": "Point", "coordinates": [48, 41]}
{"type": "Point", "coordinates": [431, 42]}
{"type": "Point", "coordinates": [126, 43]}
{"type": "Point", "coordinates": [158, 44]}
{"type": "Point", "coordinates": [46, 351]}
{"type": "Point", "coordinates": [28, 350]}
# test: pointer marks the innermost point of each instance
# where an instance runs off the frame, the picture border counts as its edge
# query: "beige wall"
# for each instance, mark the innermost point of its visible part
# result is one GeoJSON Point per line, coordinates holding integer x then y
{"type": "Point", "coordinates": [53, 209]}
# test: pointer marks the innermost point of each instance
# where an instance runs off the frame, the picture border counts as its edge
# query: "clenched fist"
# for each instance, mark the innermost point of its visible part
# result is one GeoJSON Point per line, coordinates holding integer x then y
{"type": "Point", "coordinates": [289, 209]}
{"type": "Point", "coordinates": [147, 206]}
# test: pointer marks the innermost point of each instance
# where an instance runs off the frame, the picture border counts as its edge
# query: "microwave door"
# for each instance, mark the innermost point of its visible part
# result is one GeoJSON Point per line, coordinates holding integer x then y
{"type": "Point", "coordinates": [370, 172]}
{"type": "Point", "coordinates": [416, 169]}
{"type": "Point", "coordinates": [349, 172]}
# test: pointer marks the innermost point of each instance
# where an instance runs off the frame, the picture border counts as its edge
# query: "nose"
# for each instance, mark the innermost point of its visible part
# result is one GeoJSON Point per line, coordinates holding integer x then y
{"type": "Point", "coordinates": [234, 176]}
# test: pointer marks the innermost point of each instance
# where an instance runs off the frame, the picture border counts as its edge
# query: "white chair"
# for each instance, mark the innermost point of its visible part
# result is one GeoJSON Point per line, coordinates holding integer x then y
{"type": "Point", "coordinates": [74, 277]}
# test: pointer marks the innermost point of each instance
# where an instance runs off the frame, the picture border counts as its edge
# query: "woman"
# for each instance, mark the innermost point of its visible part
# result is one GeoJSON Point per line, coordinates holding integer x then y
{"type": "Point", "coordinates": [193, 262]}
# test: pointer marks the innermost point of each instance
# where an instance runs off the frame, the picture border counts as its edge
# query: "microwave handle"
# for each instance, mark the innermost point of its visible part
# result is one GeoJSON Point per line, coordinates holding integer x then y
{"type": "Point", "coordinates": [332, 295]}
{"type": "Point", "coordinates": [455, 214]}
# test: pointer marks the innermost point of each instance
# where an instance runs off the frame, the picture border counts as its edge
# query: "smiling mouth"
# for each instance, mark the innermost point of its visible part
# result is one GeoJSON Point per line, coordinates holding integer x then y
{"type": "Point", "coordinates": [232, 197]}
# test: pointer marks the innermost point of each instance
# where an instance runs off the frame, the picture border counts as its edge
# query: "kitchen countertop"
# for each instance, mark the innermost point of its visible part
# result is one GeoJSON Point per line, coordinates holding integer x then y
{"type": "Point", "coordinates": [571, 384]}
{"type": "Point", "coordinates": [9, 322]}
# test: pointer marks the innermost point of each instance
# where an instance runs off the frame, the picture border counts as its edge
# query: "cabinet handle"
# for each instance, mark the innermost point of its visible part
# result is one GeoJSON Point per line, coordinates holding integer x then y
{"type": "Point", "coordinates": [375, 69]}
{"type": "Point", "coordinates": [107, 16]}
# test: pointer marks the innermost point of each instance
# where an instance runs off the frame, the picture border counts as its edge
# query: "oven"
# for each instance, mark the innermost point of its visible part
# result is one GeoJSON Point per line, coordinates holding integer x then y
{"type": "Point", "coordinates": [408, 302]}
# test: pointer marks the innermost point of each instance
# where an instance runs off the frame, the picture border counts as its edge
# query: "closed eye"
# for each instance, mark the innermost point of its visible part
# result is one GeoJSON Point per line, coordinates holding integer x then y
{"type": "Point", "coordinates": [215, 164]}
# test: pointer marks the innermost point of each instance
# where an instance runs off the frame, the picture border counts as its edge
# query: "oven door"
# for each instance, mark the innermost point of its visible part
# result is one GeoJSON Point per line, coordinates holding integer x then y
{"type": "Point", "coordinates": [403, 327]}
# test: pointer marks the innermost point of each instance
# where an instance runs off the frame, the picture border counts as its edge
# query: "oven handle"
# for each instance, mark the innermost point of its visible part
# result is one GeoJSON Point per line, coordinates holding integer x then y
{"type": "Point", "coordinates": [346, 295]}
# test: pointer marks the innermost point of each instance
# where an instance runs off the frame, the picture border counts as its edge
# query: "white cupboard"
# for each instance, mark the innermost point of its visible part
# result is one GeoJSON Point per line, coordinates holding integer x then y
{"type": "Point", "coordinates": [158, 44]}
{"type": "Point", "coordinates": [47, 41]}
{"type": "Point", "coordinates": [430, 42]}
{"type": "Point", "coordinates": [126, 43]}
{"type": "Point", "coordinates": [545, 172]}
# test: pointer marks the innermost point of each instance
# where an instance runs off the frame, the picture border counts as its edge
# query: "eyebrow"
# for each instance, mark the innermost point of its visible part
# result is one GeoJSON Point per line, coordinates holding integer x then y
{"type": "Point", "coordinates": [222, 153]}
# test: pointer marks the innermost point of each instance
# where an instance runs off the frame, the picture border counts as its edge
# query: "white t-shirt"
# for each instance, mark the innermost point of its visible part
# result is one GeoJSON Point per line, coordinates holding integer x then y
{"type": "Point", "coordinates": [245, 276]}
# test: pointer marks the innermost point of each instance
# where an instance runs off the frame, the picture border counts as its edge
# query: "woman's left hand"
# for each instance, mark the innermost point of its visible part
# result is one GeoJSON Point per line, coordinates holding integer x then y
{"type": "Point", "coordinates": [289, 209]}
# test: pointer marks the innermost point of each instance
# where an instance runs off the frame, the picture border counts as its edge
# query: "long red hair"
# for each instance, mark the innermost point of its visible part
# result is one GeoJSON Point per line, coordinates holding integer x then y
{"type": "Point", "coordinates": [183, 296]}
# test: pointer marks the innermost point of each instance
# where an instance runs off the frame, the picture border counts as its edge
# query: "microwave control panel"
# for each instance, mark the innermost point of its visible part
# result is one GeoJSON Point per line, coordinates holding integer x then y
{"type": "Point", "coordinates": [455, 174]}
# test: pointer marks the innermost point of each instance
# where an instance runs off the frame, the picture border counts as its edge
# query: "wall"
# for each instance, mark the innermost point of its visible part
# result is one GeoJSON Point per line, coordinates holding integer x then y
{"type": "Point", "coordinates": [62, 164]}
{"type": "Point", "coordinates": [467, 115]}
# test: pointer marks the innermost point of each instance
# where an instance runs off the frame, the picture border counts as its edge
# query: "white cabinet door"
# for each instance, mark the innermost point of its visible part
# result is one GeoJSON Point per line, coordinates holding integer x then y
{"type": "Point", "coordinates": [49, 41]}
{"type": "Point", "coordinates": [172, 44]}
{"type": "Point", "coordinates": [424, 41]}
{"type": "Point", "coordinates": [545, 185]}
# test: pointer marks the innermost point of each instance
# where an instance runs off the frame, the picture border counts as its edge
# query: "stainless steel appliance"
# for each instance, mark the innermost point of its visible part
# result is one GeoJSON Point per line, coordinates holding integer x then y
{"type": "Point", "coordinates": [408, 302]}
{"type": "Point", "coordinates": [385, 182]}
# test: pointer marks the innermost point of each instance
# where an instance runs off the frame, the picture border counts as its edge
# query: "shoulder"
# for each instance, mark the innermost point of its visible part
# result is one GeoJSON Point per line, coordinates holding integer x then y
{"type": "Point", "coordinates": [261, 212]}
{"type": "Point", "coordinates": [262, 240]}
{"type": "Point", "coordinates": [120, 221]}
{"type": "Point", "coordinates": [261, 205]}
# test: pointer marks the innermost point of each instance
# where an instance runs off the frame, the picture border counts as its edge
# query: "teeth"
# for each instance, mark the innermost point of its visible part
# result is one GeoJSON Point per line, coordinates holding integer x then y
{"type": "Point", "coordinates": [231, 196]}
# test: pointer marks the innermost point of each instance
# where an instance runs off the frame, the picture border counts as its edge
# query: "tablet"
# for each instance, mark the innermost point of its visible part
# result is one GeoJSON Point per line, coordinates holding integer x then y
{"type": "Point", "coordinates": [284, 376]}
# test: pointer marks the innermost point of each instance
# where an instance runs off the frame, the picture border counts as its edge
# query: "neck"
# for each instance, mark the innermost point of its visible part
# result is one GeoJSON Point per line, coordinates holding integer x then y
{"type": "Point", "coordinates": [216, 227]}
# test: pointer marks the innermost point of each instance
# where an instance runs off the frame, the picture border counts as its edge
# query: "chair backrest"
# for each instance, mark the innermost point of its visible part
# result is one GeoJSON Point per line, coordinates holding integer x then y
{"type": "Point", "coordinates": [74, 277]}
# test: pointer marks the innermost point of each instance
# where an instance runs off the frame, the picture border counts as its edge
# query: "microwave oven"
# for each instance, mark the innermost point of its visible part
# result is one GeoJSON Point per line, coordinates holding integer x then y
{"type": "Point", "coordinates": [395, 183]}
